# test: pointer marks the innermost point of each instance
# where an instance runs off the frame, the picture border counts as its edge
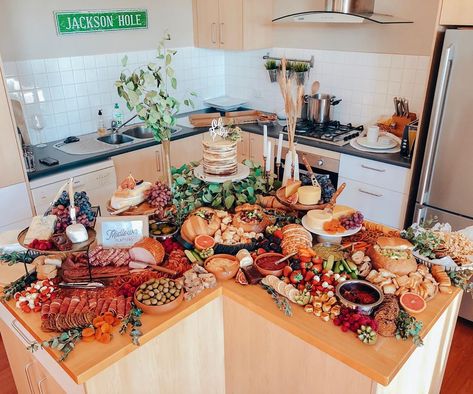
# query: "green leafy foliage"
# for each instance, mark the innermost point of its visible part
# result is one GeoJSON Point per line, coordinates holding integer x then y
{"type": "Point", "coordinates": [408, 326]}
{"type": "Point", "coordinates": [15, 257]}
{"type": "Point", "coordinates": [18, 285]}
{"type": "Point", "coordinates": [281, 302]}
{"type": "Point", "coordinates": [462, 279]}
{"type": "Point", "coordinates": [146, 90]}
{"type": "Point", "coordinates": [300, 67]}
{"type": "Point", "coordinates": [425, 240]}
{"type": "Point", "coordinates": [190, 192]}
{"type": "Point", "coordinates": [64, 342]}
{"type": "Point", "coordinates": [271, 65]}
{"type": "Point", "coordinates": [134, 321]}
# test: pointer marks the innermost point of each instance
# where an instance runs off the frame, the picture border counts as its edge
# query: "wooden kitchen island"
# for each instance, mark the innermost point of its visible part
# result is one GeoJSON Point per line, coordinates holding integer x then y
{"type": "Point", "coordinates": [233, 339]}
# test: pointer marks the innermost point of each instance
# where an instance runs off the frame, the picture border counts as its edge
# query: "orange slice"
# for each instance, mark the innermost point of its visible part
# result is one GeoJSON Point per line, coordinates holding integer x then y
{"type": "Point", "coordinates": [412, 302]}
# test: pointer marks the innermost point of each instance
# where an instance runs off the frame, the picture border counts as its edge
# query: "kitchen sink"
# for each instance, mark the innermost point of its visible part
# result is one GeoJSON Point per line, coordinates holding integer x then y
{"type": "Point", "coordinates": [115, 139]}
{"type": "Point", "coordinates": [140, 132]}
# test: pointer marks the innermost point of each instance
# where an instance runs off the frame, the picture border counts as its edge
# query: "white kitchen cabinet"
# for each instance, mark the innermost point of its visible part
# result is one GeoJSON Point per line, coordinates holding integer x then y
{"type": "Point", "coordinates": [15, 208]}
{"type": "Point", "coordinates": [457, 13]}
{"type": "Point", "coordinates": [186, 149]}
{"type": "Point", "coordinates": [378, 190]}
{"type": "Point", "coordinates": [243, 148]}
{"type": "Point", "coordinates": [233, 24]}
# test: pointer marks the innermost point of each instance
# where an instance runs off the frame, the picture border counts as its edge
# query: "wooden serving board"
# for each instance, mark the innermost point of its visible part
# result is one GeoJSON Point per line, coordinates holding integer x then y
{"type": "Point", "coordinates": [143, 209]}
{"type": "Point", "coordinates": [281, 197]}
{"type": "Point", "coordinates": [203, 120]}
{"type": "Point", "coordinates": [75, 247]}
{"type": "Point", "coordinates": [242, 117]}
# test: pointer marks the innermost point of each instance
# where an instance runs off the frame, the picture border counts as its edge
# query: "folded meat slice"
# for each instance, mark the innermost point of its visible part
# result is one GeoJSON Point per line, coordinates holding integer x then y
{"type": "Point", "coordinates": [148, 250]}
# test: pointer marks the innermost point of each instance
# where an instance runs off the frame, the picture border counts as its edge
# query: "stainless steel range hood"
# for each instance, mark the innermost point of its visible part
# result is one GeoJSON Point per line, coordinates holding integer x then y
{"type": "Point", "coordinates": [342, 11]}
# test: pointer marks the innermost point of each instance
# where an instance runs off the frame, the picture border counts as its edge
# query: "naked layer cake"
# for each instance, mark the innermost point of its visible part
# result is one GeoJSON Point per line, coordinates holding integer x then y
{"type": "Point", "coordinates": [219, 156]}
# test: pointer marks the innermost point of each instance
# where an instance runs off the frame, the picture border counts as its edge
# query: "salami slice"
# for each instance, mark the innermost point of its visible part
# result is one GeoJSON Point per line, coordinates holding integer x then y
{"type": "Point", "coordinates": [64, 305]}
{"type": "Point", "coordinates": [113, 307]}
{"type": "Point", "coordinates": [80, 306]}
{"type": "Point", "coordinates": [45, 311]}
{"type": "Point", "coordinates": [121, 304]}
{"type": "Point", "coordinates": [105, 306]}
{"type": "Point", "coordinates": [55, 306]}
{"type": "Point", "coordinates": [128, 306]}
{"type": "Point", "coordinates": [100, 303]}
{"type": "Point", "coordinates": [73, 304]}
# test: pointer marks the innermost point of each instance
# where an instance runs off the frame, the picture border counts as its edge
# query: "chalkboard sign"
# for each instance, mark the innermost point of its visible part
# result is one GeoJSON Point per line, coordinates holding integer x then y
{"type": "Point", "coordinates": [70, 22]}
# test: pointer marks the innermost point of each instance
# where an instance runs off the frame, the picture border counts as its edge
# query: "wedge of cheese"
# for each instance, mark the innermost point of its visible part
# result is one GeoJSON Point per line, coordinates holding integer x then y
{"type": "Point", "coordinates": [291, 187]}
{"type": "Point", "coordinates": [309, 195]}
{"type": "Point", "coordinates": [41, 227]}
{"type": "Point", "coordinates": [341, 210]}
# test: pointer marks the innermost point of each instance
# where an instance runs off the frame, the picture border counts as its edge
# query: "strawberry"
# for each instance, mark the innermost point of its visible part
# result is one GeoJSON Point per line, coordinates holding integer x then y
{"type": "Point", "coordinates": [309, 276]}
{"type": "Point", "coordinates": [278, 233]}
{"type": "Point", "coordinates": [304, 260]}
{"type": "Point", "coordinates": [260, 251]}
{"type": "Point", "coordinates": [317, 260]}
{"type": "Point", "coordinates": [296, 276]}
{"type": "Point", "coordinates": [287, 271]}
{"type": "Point", "coordinates": [300, 287]}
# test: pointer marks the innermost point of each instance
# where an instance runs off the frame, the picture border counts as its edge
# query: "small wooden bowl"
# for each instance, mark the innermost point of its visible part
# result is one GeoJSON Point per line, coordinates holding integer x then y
{"type": "Point", "coordinates": [160, 309]}
{"type": "Point", "coordinates": [224, 275]}
{"type": "Point", "coordinates": [267, 272]}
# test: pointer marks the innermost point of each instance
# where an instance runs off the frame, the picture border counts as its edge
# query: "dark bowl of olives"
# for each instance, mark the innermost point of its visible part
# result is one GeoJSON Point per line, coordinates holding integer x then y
{"type": "Point", "coordinates": [162, 230]}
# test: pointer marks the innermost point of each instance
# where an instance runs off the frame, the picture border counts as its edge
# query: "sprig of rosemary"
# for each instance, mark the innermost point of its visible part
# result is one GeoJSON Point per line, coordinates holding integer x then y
{"type": "Point", "coordinates": [408, 326]}
{"type": "Point", "coordinates": [281, 302]}
{"type": "Point", "coordinates": [134, 320]}
{"type": "Point", "coordinates": [18, 285]}
{"type": "Point", "coordinates": [64, 342]}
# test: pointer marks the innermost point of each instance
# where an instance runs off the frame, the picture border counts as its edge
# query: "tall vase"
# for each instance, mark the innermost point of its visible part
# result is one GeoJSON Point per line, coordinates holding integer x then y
{"type": "Point", "coordinates": [167, 162]}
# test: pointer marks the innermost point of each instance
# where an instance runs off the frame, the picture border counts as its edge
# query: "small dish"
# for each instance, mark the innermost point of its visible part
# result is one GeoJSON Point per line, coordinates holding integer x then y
{"type": "Point", "coordinates": [162, 230]}
{"type": "Point", "coordinates": [265, 259]}
{"type": "Point", "coordinates": [223, 272]}
{"type": "Point", "coordinates": [362, 288]}
{"type": "Point", "coordinates": [160, 309]}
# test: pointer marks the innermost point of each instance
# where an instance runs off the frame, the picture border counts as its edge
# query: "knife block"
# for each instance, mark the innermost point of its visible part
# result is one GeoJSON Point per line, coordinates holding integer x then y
{"type": "Point", "coordinates": [397, 124]}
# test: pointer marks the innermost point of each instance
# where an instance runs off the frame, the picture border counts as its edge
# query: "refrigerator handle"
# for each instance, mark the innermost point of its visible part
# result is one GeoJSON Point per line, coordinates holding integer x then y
{"type": "Point", "coordinates": [418, 215]}
{"type": "Point", "coordinates": [435, 125]}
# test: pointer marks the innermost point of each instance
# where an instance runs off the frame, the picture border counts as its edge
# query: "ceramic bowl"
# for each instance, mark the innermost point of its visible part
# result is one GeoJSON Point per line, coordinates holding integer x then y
{"type": "Point", "coordinates": [160, 309]}
{"type": "Point", "coordinates": [266, 272]}
{"type": "Point", "coordinates": [220, 274]}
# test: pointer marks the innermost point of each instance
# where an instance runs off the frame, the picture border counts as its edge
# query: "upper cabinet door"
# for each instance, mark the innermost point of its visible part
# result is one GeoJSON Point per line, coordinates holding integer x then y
{"type": "Point", "coordinates": [230, 27]}
{"type": "Point", "coordinates": [457, 12]}
{"type": "Point", "coordinates": [206, 23]}
{"type": "Point", "coordinates": [11, 161]}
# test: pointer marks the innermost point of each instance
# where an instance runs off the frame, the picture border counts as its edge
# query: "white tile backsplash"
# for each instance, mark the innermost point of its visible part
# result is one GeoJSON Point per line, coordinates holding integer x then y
{"type": "Point", "coordinates": [366, 82]}
{"type": "Point", "coordinates": [68, 92]}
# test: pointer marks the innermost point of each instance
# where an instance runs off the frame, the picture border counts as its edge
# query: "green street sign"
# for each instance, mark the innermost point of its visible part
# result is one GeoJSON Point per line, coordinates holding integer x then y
{"type": "Point", "coordinates": [70, 22]}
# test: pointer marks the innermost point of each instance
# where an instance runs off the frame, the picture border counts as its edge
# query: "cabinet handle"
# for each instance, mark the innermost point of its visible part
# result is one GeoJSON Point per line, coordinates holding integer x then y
{"type": "Point", "coordinates": [370, 193]}
{"type": "Point", "coordinates": [373, 169]}
{"type": "Point", "coordinates": [20, 332]}
{"type": "Point", "coordinates": [40, 385]}
{"type": "Point", "coordinates": [221, 34]}
{"type": "Point", "coordinates": [28, 378]}
{"type": "Point", "coordinates": [158, 161]}
{"type": "Point", "coordinates": [213, 33]}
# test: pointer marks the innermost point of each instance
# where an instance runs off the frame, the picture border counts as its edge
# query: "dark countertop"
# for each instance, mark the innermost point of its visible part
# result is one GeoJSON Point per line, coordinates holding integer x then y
{"type": "Point", "coordinates": [68, 161]}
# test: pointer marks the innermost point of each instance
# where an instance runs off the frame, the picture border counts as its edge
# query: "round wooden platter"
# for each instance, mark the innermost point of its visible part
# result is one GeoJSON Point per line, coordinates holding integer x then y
{"type": "Point", "coordinates": [143, 209]}
{"type": "Point", "coordinates": [281, 197]}
{"type": "Point", "coordinates": [75, 247]}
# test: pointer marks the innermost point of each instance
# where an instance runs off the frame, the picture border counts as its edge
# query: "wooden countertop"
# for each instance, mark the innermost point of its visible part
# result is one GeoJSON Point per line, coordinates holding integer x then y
{"type": "Point", "coordinates": [380, 362]}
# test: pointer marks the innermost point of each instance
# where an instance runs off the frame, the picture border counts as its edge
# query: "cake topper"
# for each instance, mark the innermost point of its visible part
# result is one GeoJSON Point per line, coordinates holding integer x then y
{"type": "Point", "coordinates": [218, 129]}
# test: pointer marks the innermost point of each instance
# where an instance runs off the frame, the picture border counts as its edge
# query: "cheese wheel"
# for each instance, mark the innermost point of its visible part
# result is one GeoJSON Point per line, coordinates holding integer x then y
{"type": "Point", "coordinates": [341, 210]}
{"type": "Point", "coordinates": [316, 218]}
{"type": "Point", "coordinates": [309, 195]}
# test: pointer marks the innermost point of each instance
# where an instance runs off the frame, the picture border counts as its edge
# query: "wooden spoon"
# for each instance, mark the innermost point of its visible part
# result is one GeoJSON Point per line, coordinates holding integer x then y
{"type": "Point", "coordinates": [315, 87]}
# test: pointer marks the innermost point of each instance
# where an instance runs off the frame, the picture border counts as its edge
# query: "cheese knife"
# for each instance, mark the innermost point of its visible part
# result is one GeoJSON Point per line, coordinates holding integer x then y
{"type": "Point", "coordinates": [313, 177]}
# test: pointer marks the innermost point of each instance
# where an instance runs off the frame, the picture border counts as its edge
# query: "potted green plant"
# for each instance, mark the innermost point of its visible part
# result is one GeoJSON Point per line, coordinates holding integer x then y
{"type": "Point", "coordinates": [272, 68]}
{"type": "Point", "coordinates": [147, 91]}
{"type": "Point", "coordinates": [301, 71]}
{"type": "Point", "coordinates": [289, 69]}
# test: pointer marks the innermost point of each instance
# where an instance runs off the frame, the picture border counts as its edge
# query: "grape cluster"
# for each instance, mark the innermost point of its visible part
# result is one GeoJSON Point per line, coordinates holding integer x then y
{"type": "Point", "coordinates": [352, 221]}
{"type": "Point", "coordinates": [84, 213]}
{"type": "Point", "coordinates": [159, 195]}
{"type": "Point", "coordinates": [327, 187]}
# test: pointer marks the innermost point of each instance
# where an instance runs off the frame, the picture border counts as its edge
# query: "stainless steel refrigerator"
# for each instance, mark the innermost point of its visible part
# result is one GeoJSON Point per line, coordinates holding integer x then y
{"type": "Point", "coordinates": [446, 182]}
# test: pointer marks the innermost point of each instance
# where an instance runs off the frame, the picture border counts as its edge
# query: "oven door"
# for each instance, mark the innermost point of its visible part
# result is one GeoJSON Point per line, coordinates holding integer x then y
{"type": "Point", "coordinates": [321, 165]}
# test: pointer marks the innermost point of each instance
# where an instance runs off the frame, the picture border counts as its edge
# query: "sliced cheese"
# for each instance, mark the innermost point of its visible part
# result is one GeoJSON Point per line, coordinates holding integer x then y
{"type": "Point", "coordinates": [292, 187]}
{"type": "Point", "coordinates": [316, 218]}
{"type": "Point", "coordinates": [341, 210]}
{"type": "Point", "coordinates": [41, 227]}
{"type": "Point", "coordinates": [309, 195]}
{"type": "Point", "coordinates": [130, 197]}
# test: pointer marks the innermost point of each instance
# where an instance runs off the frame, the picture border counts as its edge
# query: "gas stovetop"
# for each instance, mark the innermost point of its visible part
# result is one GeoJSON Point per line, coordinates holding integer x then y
{"type": "Point", "coordinates": [332, 132]}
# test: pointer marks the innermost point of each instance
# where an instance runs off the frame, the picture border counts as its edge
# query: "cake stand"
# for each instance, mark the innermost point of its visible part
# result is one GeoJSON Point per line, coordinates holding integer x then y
{"type": "Point", "coordinates": [242, 173]}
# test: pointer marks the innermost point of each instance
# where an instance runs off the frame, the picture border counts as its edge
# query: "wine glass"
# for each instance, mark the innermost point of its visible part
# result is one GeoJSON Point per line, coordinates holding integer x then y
{"type": "Point", "coordinates": [37, 122]}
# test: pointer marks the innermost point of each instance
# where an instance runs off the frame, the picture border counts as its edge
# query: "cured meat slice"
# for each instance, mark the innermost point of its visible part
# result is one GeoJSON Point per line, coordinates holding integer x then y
{"type": "Point", "coordinates": [73, 304]}
{"type": "Point", "coordinates": [105, 306]}
{"type": "Point", "coordinates": [80, 306]}
{"type": "Point", "coordinates": [128, 306]}
{"type": "Point", "coordinates": [45, 311]}
{"type": "Point", "coordinates": [121, 305]}
{"type": "Point", "coordinates": [113, 307]}
{"type": "Point", "coordinates": [92, 303]}
{"type": "Point", "coordinates": [65, 305]}
{"type": "Point", "coordinates": [100, 303]}
{"type": "Point", "coordinates": [55, 306]}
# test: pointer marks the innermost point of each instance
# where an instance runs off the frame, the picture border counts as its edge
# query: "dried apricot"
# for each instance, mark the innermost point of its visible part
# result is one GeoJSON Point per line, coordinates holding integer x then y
{"type": "Point", "coordinates": [105, 338]}
{"type": "Point", "coordinates": [88, 339]}
{"type": "Point", "coordinates": [106, 328]}
{"type": "Point", "coordinates": [88, 332]}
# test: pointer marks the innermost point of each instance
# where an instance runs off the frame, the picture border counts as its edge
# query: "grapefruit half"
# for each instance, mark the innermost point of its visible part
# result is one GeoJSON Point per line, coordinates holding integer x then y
{"type": "Point", "coordinates": [202, 242]}
{"type": "Point", "coordinates": [412, 302]}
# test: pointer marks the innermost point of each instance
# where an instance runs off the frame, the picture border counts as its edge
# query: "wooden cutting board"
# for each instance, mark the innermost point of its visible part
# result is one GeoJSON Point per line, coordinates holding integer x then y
{"type": "Point", "coordinates": [203, 120]}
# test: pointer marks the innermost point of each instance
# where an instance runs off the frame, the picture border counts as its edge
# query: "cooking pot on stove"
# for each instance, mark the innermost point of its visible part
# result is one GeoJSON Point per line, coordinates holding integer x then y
{"type": "Point", "coordinates": [318, 107]}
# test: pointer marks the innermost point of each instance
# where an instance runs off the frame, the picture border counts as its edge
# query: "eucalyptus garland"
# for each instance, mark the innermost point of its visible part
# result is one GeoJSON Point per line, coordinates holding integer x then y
{"type": "Point", "coordinates": [64, 342]}
{"type": "Point", "coordinates": [16, 257]}
{"type": "Point", "coordinates": [190, 192]}
{"type": "Point", "coordinates": [134, 320]}
{"type": "Point", "coordinates": [281, 302]}
{"type": "Point", "coordinates": [16, 286]}
{"type": "Point", "coordinates": [408, 326]}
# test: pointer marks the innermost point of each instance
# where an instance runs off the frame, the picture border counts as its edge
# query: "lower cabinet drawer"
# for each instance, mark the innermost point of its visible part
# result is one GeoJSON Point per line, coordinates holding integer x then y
{"type": "Point", "coordinates": [377, 204]}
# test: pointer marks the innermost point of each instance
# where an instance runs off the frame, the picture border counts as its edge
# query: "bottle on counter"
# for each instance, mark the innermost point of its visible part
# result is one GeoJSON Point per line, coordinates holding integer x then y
{"type": "Point", "coordinates": [101, 129]}
{"type": "Point", "coordinates": [117, 115]}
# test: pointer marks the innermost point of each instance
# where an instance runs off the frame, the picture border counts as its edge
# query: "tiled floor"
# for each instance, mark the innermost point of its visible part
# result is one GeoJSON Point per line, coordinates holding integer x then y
{"type": "Point", "coordinates": [458, 377]}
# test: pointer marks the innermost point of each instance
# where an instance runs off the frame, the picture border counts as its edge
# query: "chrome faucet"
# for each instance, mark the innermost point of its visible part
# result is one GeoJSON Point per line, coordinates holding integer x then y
{"type": "Point", "coordinates": [114, 124]}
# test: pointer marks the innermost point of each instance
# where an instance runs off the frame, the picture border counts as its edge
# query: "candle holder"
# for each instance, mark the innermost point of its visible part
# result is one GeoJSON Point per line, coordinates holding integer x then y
{"type": "Point", "coordinates": [264, 166]}
{"type": "Point", "coordinates": [278, 170]}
